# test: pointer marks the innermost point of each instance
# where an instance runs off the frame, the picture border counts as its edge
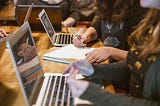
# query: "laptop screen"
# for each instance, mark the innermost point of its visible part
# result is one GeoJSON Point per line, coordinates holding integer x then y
{"type": "Point", "coordinates": [26, 60]}
{"type": "Point", "coordinates": [47, 25]}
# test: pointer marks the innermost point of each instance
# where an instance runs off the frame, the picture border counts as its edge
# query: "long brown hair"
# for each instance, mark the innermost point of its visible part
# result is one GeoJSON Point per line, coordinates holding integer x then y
{"type": "Point", "coordinates": [115, 10]}
{"type": "Point", "coordinates": [146, 37]}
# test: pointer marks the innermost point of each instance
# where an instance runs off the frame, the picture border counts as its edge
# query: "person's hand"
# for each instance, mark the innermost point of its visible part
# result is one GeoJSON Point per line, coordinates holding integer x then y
{"type": "Point", "coordinates": [78, 87]}
{"type": "Point", "coordinates": [27, 55]}
{"type": "Point", "coordinates": [81, 67]}
{"type": "Point", "coordinates": [98, 55]}
{"type": "Point", "coordinates": [78, 41]}
{"type": "Point", "coordinates": [2, 33]}
{"type": "Point", "coordinates": [68, 22]}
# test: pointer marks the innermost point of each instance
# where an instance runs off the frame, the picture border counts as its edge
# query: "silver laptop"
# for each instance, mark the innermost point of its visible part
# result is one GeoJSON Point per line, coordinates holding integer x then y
{"type": "Point", "coordinates": [57, 39]}
{"type": "Point", "coordinates": [38, 88]}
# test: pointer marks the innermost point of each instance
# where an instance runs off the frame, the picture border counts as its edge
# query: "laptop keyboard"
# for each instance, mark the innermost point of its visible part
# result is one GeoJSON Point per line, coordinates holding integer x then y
{"type": "Point", "coordinates": [64, 39]}
{"type": "Point", "coordinates": [57, 92]}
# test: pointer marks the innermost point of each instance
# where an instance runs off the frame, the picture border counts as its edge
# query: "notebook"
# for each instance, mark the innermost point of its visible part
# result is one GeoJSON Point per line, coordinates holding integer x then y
{"type": "Point", "coordinates": [67, 54]}
{"type": "Point", "coordinates": [54, 13]}
{"type": "Point", "coordinates": [57, 39]}
{"type": "Point", "coordinates": [38, 88]}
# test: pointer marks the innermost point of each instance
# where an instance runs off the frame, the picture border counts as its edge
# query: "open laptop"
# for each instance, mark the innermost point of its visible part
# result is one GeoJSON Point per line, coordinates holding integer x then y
{"type": "Point", "coordinates": [57, 39]}
{"type": "Point", "coordinates": [55, 15]}
{"type": "Point", "coordinates": [38, 88]}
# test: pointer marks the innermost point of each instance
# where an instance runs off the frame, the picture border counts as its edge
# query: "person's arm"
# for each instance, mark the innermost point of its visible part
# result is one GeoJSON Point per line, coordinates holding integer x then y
{"type": "Point", "coordinates": [118, 54]}
{"type": "Point", "coordinates": [89, 35]}
{"type": "Point", "coordinates": [103, 98]}
{"type": "Point", "coordinates": [117, 71]}
{"type": "Point", "coordinates": [74, 14]}
{"type": "Point", "coordinates": [68, 22]}
{"type": "Point", "coordinates": [101, 54]}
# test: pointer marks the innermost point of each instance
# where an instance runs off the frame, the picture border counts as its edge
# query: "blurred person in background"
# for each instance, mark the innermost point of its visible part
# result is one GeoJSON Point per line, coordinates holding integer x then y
{"type": "Point", "coordinates": [115, 23]}
{"type": "Point", "coordinates": [70, 11]}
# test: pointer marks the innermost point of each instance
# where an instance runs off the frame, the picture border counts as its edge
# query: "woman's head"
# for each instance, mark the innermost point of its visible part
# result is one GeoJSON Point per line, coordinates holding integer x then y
{"type": "Point", "coordinates": [150, 3]}
{"type": "Point", "coordinates": [115, 10]}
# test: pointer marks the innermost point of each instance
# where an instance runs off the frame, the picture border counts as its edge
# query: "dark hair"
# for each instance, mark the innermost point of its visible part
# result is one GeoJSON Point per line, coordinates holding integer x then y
{"type": "Point", "coordinates": [115, 10]}
{"type": "Point", "coordinates": [146, 37]}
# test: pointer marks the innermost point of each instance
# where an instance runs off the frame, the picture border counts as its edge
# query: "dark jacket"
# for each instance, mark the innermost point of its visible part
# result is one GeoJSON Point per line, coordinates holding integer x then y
{"type": "Point", "coordinates": [143, 78]}
{"type": "Point", "coordinates": [69, 7]}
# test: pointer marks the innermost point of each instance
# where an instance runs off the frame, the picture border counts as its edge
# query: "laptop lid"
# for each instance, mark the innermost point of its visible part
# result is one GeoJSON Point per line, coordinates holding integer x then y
{"type": "Point", "coordinates": [26, 62]}
{"type": "Point", "coordinates": [54, 13]}
{"type": "Point", "coordinates": [47, 25]}
{"type": "Point", "coordinates": [28, 13]}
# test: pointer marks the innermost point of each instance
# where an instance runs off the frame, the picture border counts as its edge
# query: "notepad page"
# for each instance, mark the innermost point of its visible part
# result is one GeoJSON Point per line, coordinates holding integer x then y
{"type": "Point", "coordinates": [69, 51]}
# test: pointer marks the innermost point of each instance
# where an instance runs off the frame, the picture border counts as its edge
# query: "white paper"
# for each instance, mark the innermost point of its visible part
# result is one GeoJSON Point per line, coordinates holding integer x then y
{"type": "Point", "coordinates": [69, 51]}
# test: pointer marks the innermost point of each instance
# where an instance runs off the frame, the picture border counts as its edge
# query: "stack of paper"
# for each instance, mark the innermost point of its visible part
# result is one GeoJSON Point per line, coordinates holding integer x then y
{"type": "Point", "coordinates": [67, 54]}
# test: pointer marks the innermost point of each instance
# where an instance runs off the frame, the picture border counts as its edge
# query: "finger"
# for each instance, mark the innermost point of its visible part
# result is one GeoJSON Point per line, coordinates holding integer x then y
{"type": "Point", "coordinates": [73, 86]}
{"type": "Point", "coordinates": [100, 59]}
{"type": "Point", "coordinates": [73, 73]}
{"type": "Point", "coordinates": [88, 55]}
{"type": "Point", "coordinates": [67, 70]}
{"type": "Point", "coordinates": [93, 60]}
{"type": "Point", "coordinates": [76, 42]}
{"type": "Point", "coordinates": [90, 58]}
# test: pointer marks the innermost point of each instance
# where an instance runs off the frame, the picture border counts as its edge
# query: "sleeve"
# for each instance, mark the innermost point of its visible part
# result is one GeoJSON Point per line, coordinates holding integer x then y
{"type": "Point", "coordinates": [96, 23]}
{"type": "Point", "coordinates": [103, 98]}
{"type": "Point", "coordinates": [74, 11]}
{"type": "Point", "coordinates": [116, 71]}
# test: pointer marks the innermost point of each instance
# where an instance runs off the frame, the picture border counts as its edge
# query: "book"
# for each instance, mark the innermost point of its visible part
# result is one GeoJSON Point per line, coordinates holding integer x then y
{"type": "Point", "coordinates": [67, 54]}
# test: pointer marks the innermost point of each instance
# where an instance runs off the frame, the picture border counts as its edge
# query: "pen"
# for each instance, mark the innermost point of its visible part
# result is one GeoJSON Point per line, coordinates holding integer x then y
{"type": "Point", "coordinates": [26, 50]}
{"type": "Point", "coordinates": [76, 34]}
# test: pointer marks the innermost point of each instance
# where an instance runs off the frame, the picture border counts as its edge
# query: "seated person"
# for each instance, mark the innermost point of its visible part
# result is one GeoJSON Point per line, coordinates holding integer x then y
{"type": "Point", "coordinates": [141, 69]}
{"type": "Point", "coordinates": [87, 9]}
{"type": "Point", "coordinates": [70, 11]}
{"type": "Point", "coordinates": [113, 26]}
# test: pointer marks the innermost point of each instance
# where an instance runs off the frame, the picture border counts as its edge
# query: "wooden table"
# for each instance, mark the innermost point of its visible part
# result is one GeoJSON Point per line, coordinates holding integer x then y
{"type": "Point", "coordinates": [8, 12]}
{"type": "Point", "coordinates": [10, 93]}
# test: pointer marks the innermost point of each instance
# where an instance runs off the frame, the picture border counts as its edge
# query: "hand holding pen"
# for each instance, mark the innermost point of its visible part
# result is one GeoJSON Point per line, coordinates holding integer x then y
{"type": "Point", "coordinates": [78, 39]}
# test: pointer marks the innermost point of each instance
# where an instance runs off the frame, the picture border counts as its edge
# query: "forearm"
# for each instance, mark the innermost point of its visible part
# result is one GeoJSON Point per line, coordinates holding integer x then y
{"type": "Point", "coordinates": [118, 54]}
{"type": "Point", "coordinates": [103, 98]}
{"type": "Point", "coordinates": [116, 71]}
{"type": "Point", "coordinates": [90, 34]}
{"type": "Point", "coordinates": [69, 22]}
